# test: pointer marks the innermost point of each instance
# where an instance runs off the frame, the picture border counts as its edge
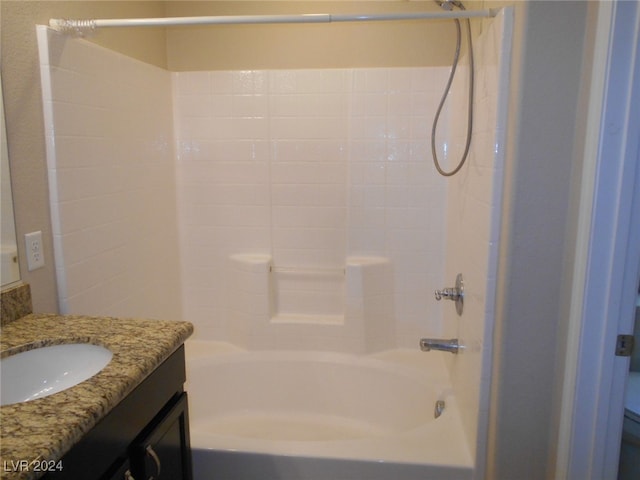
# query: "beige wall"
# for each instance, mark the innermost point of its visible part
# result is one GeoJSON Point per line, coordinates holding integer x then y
{"type": "Point", "coordinates": [336, 45]}
{"type": "Point", "coordinates": [552, 51]}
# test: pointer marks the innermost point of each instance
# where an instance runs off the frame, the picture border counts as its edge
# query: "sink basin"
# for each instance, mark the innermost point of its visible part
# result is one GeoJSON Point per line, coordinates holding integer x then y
{"type": "Point", "coordinates": [44, 371]}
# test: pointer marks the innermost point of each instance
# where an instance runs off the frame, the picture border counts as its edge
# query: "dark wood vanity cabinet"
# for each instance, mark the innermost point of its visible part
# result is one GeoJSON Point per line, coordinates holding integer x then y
{"type": "Point", "coordinates": [162, 452]}
{"type": "Point", "coordinates": [145, 436]}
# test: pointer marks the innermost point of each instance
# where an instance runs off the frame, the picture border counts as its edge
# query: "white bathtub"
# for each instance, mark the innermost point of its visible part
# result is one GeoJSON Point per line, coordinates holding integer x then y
{"type": "Point", "coordinates": [322, 416]}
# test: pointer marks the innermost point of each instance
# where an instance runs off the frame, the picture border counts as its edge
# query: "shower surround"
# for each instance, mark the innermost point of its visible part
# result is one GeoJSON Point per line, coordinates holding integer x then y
{"type": "Point", "coordinates": [310, 169]}
{"type": "Point", "coordinates": [280, 209]}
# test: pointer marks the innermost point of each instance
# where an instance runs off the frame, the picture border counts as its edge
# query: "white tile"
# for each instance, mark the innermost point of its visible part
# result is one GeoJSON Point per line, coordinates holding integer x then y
{"type": "Point", "coordinates": [282, 81]}
{"type": "Point", "coordinates": [196, 83]}
{"type": "Point", "coordinates": [195, 105]}
{"type": "Point", "coordinates": [249, 106]}
{"type": "Point", "coordinates": [256, 128]}
{"type": "Point", "coordinates": [400, 102]}
{"type": "Point", "coordinates": [244, 82]}
{"type": "Point", "coordinates": [221, 82]}
{"type": "Point", "coordinates": [369, 128]}
{"type": "Point", "coordinates": [368, 104]}
{"type": "Point", "coordinates": [371, 80]}
{"type": "Point", "coordinates": [220, 105]}
{"type": "Point", "coordinates": [374, 173]}
{"type": "Point", "coordinates": [374, 196]}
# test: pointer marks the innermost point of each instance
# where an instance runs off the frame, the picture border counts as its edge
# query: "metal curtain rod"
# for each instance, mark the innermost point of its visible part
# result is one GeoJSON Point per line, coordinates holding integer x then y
{"type": "Point", "coordinates": [83, 26]}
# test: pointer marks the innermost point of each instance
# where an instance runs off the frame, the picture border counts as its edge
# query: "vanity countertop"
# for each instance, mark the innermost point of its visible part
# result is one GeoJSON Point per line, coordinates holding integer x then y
{"type": "Point", "coordinates": [44, 430]}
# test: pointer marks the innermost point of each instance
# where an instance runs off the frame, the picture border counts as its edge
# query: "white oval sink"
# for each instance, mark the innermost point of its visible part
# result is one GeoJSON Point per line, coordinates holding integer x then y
{"type": "Point", "coordinates": [44, 371]}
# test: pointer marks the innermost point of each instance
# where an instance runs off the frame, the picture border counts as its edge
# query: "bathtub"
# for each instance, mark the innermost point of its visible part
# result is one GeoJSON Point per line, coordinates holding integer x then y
{"type": "Point", "coordinates": [293, 415]}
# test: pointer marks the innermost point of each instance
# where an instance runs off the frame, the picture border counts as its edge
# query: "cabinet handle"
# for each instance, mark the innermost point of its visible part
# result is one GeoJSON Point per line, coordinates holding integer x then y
{"type": "Point", "coordinates": [128, 476]}
{"type": "Point", "coordinates": [153, 455]}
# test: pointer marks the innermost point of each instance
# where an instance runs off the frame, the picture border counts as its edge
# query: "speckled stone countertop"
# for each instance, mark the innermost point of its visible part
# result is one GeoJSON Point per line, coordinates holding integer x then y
{"type": "Point", "coordinates": [45, 429]}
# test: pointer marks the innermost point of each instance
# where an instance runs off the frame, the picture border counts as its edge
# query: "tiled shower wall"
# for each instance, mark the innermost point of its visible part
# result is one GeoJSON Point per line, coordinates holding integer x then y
{"type": "Point", "coordinates": [311, 167]}
{"type": "Point", "coordinates": [109, 140]}
{"type": "Point", "coordinates": [308, 166]}
{"type": "Point", "coordinates": [474, 201]}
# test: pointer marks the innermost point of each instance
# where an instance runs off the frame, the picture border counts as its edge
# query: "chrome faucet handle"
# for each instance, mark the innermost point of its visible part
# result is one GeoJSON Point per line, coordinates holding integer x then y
{"type": "Point", "coordinates": [455, 293]}
{"type": "Point", "coordinates": [450, 293]}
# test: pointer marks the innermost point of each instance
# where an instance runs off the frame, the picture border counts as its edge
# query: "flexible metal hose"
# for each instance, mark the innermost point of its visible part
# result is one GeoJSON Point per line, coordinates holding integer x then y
{"type": "Point", "coordinates": [444, 97]}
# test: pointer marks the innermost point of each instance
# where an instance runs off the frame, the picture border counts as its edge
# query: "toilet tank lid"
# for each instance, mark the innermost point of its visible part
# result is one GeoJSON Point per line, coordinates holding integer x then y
{"type": "Point", "coordinates": [632, 396]}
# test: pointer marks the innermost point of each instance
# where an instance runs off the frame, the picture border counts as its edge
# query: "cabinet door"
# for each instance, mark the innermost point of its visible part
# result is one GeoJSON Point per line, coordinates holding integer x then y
{"type": "Point", "coordinates": [163, 451]}
{"type": "Point", "coordinates": [120, 472]}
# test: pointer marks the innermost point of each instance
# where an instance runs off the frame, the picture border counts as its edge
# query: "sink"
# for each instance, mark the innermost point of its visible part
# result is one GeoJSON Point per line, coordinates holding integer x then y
{"type": "Point", "coordinates": [44, 371]}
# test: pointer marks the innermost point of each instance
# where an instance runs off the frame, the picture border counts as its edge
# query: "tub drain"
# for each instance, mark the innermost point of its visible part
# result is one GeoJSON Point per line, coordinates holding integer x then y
{"type": "Point", "coordinates": [439, 408]}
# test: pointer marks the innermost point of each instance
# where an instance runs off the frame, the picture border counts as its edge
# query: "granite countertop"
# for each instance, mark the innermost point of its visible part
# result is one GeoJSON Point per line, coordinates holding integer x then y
{"type": "Point", "coordinates": [47, 428]}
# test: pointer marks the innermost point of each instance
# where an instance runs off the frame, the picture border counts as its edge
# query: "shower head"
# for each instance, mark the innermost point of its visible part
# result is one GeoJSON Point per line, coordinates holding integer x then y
{"type": "Point", "coordinates": [449, 4]}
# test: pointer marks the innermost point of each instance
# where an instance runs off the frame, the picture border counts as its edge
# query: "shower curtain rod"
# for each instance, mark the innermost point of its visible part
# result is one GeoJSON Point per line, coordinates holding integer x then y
{"type": "Point", "coordinates": [82, 26]}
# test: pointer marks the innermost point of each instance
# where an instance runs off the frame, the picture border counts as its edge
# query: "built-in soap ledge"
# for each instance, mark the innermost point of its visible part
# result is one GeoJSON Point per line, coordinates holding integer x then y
{"type": "Point", "coordinates": [344, 308]}
{"type": "Point", "coordinates": [307, 319]}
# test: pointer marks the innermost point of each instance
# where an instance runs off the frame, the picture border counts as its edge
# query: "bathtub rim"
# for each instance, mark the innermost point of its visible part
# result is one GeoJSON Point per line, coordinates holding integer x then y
{"type": "Point", "coordinates": [439, 443]}
{"type": "Point", "coordinates": [402, 361]}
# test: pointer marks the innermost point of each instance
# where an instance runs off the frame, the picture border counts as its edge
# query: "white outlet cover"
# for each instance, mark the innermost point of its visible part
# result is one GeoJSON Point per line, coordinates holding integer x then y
{"type": "Point", "coordinates": [35, 253]}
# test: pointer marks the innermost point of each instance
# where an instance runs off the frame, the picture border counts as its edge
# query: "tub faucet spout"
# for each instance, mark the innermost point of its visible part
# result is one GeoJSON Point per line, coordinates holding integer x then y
{"type": "Point", "coordinates": [428, 344]}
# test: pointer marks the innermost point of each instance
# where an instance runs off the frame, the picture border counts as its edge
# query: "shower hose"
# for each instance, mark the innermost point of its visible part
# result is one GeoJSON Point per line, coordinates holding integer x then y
{"type": "Point", "coordinates": [444, 96]}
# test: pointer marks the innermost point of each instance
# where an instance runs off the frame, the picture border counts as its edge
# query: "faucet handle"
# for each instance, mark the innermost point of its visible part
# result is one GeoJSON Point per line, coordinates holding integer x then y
{"type": "Point", "coordinates": [455, 293]}
{"type": "Point", "coordinates": [450, 293]}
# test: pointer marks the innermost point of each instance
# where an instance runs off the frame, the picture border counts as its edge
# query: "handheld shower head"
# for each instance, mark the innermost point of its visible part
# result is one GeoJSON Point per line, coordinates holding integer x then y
{"type": "Point", "coordinates": [449, 4]}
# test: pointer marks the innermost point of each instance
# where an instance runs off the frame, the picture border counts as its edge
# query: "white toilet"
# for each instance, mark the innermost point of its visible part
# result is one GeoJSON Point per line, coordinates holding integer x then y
{"type": "Point", "coordinates": [629, 468]}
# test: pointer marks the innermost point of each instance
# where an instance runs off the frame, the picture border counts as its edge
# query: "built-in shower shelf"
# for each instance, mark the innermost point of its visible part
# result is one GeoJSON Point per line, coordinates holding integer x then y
{"type": "Point", "coordinates": [293, 306]}
{"type": "Point", "coordinates": [307, 270]}
{"type": "Point", "coordinates": [307, 319]}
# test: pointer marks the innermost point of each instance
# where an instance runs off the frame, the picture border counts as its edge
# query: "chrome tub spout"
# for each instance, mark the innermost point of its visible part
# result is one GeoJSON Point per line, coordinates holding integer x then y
{"type": "Point", "coordinates": [428, 344]}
